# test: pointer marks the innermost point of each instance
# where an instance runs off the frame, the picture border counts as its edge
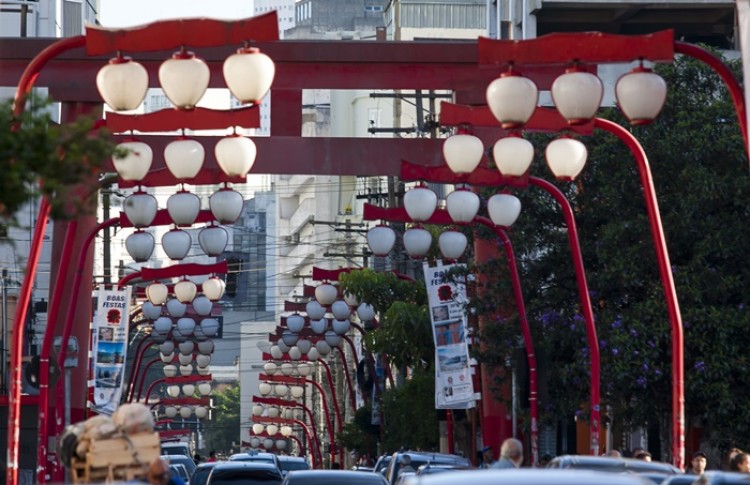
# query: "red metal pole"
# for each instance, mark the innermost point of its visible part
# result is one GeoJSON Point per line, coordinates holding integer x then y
{"type": "Point", "coordinates": [143, 380]}
{"type": "Point", "coordinates": [670, 292]}
{"type": "Point", "coordinates": [352, 397]}
{"type": "Point", "coordinates": [25, 84]}
{"type": "Point", "coordinates": [526, 330]}
{"type": "Point", "coordinates": [137, 364]}
{"type": "Point", "coordinates": [735, 90]}
{"type": "Point", "coordinates": [586, 308]}
{"type": "Point", "coordinates": [44, 464]}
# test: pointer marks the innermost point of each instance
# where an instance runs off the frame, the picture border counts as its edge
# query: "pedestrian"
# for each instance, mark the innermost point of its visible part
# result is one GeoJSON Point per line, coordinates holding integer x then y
{"type": "Point", "coordinates": [511, 454]}
{"type": "Point", "coordinates": [487, 457]}
{"type": "Point", "coordinates": [643, 455]}
{"type": "Point", "coordinates": [730, 456]}
{"type": "Point", "coordinates": [741, 463]}
{"type": "Point", "coordinates": [698, 463]}
{"type": "Point", "coordinates": [197, 459]}
{"type": "Point", "coordinates": [211, 456]}
{"type": "Point", "coordinates": [614, 454]}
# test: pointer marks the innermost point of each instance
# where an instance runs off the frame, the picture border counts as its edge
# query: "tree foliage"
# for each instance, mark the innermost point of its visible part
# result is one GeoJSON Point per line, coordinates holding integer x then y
{"type": "Point", "coordinates": [411, 420]}
{"type": "Point", "coordinates": [222, 430]}
{"type": "Point", "coordinates": [700, 173]}
{"type": "Point", "coordinates": [39, 156]}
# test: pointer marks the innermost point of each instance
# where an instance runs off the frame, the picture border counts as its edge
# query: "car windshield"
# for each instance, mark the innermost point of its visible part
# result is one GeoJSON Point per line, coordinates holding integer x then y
{"type": "Point", "coordinates": [294, 465]}
{"type": "Point", "coordinates": [245, 477]}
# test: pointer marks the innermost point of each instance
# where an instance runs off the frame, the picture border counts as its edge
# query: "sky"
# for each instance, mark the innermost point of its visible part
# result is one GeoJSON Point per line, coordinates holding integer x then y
{"type": "Point", "coordinates": [128, 13]}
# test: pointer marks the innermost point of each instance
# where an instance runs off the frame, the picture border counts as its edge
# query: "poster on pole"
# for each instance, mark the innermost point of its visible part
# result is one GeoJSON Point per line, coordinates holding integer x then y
{"type": "Point", "coordinates": [109, 347]}
{"type": "Point", "coordinates": [447, 299]}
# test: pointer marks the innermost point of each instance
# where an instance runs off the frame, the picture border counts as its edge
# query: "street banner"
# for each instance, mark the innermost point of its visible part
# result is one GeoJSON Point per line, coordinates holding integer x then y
{"type": "Point", "coordinates": [743, 21]}
{"type": "Point", "coordinates": [447, 300]}
{"type": "Point", "coordinates": [109, 345]}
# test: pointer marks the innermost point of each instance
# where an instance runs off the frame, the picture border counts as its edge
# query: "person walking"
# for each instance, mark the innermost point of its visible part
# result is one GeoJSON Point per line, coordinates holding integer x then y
{"type": "Point", "coordinates": [511, 454]}
{"type": "Point", "coordinates": [741, 463]}
{"type": "Point", "coordinates": [698, 463]}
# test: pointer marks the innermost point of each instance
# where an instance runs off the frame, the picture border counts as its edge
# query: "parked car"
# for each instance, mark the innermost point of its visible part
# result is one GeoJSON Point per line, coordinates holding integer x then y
{"type": "Point", "coordinates": [179, 470]}
{"type": "Point", "coordinates": [431, 468]}
{"type": "Point", "coordinates": [200, 475]}
{"type": "Point", "coordinates": [411, 460]}
{"type": "Point", "coordinates": [181, 459]}
{"type": "Point", "coordinates": [292, 463]}
{"type": "Point", "coordinates": [610, 464]}
{"type": "Point", "coordinates": [175, 448]}
{"type": "Point", "coordinates": [245, 473]}
{"type": "Point", "coordinates": [259, 457]}
{"type": "Point", "coordinates": [381, 466]}
{"type": "Point", "coordinates": [529, 476]}
{"type": "Point", "coordinates": [333, 477]}
{"type": "Point", "coordinates": [715, 477]}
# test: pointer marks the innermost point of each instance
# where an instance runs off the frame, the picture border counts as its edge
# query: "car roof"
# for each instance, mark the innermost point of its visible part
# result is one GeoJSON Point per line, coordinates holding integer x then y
{"type": "Point", "coordinates": [249, 455]}
{"type": "Point", "coordinates": [432, 457]}
{"type": "Point", "coordinates": [291, 458]}
{"type": "Point", "coordinates": [244, 469]}
{"type": "Point", "coordinates": [716, 477]}
{"type": "Point", "coordinates": [612, 464]}
{"type": "Point", "coordinates": [333, 476]}
{"type": "Point", "coordinates": [530, 476]}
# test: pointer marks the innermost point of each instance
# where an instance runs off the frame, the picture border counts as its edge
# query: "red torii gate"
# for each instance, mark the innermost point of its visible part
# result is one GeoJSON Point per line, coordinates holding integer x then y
{"type": "Point", "coordinates": [425, 65]}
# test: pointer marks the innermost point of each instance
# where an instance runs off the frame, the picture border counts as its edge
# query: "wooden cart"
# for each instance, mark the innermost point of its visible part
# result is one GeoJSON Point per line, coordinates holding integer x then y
{"type": "Point", "coordinates": [117, 459]}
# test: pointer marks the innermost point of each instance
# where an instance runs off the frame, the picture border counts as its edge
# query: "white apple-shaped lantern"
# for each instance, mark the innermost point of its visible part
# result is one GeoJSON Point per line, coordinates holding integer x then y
{"type": "Point", "coordinates": [184, 79]}
{"type": "Point", "coordinates": [235, 155]}
{"type": "Point", "coordinates": [249, 74]}
{"type": "Point", "coordinates": [122, 83]}
{"type": "Point", "coordinates": [176, 244]}
{"type": "Point", "coordinates": [135, 162]}
{"type": "Point", "coordinates": [226, 205]}
{"type": "Point", "coordinates": [140, 246]}
{"type": "Point", "coordinates": [183, 207]}
{"type": "Point", "coordinates": [140, 209]}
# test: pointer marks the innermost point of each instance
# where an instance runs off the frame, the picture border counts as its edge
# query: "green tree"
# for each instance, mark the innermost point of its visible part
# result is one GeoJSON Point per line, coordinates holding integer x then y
{"type": "Point", "coordinates": [411, 420]}
{"type": "Point", "coordinates": [222, 430]}
{"type": "Point", "coordinates": [38, 156]}
{"type": "Point", "coordinates": [360, 434]}
{"type": "Point", "coordinates": [700, 172]}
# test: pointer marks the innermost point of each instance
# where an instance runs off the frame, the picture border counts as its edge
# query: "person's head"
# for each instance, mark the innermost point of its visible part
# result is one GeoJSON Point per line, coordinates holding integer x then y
{"type": "Point", "coordinates": [512, 449]}
{"type": "Point", "coordinates": [487, 453]}
{"type": "Point", "coordinates": [614, 453]}
{"type": "Point", "coordinates": [158, 472]}
{"type": "Point", "coordinates": [544, 461]}
{"type": "Point", "coordinates": [406, 460]}
{"type": "Point", "coordinates": [698, 463]}
{"type": "Point", "coordinates": [212, 454]}
{"type": "Point", "coordinates": [643, 455]}
{"type": "Point", "coordinates": [741, 462]}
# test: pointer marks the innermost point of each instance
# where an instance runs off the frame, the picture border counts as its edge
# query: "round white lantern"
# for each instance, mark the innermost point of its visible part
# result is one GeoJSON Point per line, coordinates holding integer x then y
{"type": "Point", "coordinates": [265, 388]}
{"type": "Point", "coordinates": [183, 207]}
{"type": "Point", "coordinates": [365, 312]}
{"type": "Point", "coordinates": [566, 157]}
{"type": "Point", "coordinates": [135, 163]}
{"type": "Point", "coordinates": [258, 410]}
{"type": "Point", "coordinates": [170, 411]}
{"type": "Point", "coordinates": [341, 310]}
{"type": "Point", "coordinates": [351, 300]}
{"type": "Point", "coordinates": [341, 326]}
{"type": "Point", "coordinates": [170, 370]}
{"type": "Point", "coordinates": [185, 291]}
{"type": "Point", "coordinates": [249, 74]}
{"type": "Point", "coordinates": [204, 388]}
{"type": "Point", "coordinates": [297, 391]}
{"type": "Point", "coordinates": [226, 205]}
{"type": "Point", "coordinates": [272, 412]}
{"type": "Point", "coordinates": [504, 209]}
{"type": "Point", "coordinates": [270, 368]}
{"type": "Point", "coordinates": [122, 83]}
{"type": "Point", "coordinates": [254, 442]}
{"type": "Point", "coordinates": [276, 352]}
{"type": "Point", "coordinates": [157, 293]}
{"type": "Point", "coordinates": [322, 347]}
{"type": "Point", "coordinates": [186, 412]}
{"type": "Point", "coordinates": [210, 327]}
{"type": "Point", "coordinates": [304, 345]}
{"type": "Point", "coordinates": [151, 311]}
{"type": "Point", "coordinates": [315, 310]}
{"type": "Point", "coordinates": [187, 347]}
{"type": "Point", "coordinates": [202, 305]}
{"type": "Point", "coordinates": [188, 389]}
{"type": "Point", "coordinates": [319, 326]}
{"type": "Point", "coordinates": [184, 79]}
{"type": "Point", "coordinates": [205, 347]}
{"type": "Point", "coordinates": [417, 241]}
{"type": "Point", "coordinates": [452, 244]}
{"type": "Point", "coordinates": [295, 323]}
{"type": "Point", "coordinates": [184, 158]}
{"type": "Point", "coordinates": [176, 244]}
{"type": "Point", "coordinates": [258, 428]}
{"type": "Point", "coordinates": [462, 205]}
{"type": "Point", "coordinates": [186, 369]}
{"type": "Point", "coordinates": [332, 338]}
{"type": "Point", "coordinates": [158, 337]}
{"type": "Point", "coordinates": [286, 430]}
{"type": "Point", "coordinates": [140, 246]}
{"type": "Point", "coordinates": [314, 354]}
{"type": "Point", "coordinates": [513, 155]}
{"type": "Point", "coordinates": [140, 209]}
{"type": "Point", "coordinates": [167, 358]}
{"type": "Point", "coordinates": [162, 325]}
{"type": "Point", "coordinates": [235, 155]}
{"type": "Point", "coordinates": [295, 353]}
{"type": "Point", "coordinates": [512, 99]}
{"type": "Point", "coordinates": [281, 444]}
{"type": "Point", "coordinates": [326, 294]}
{"type": "Point", "coordinates": [380, 239]}
{"type": "Point", "coordinates": [268, 443]}
{"type": "Point", "coordinates": [167, 347]}
{"type": "Point", "coordinates": [201, 412]}
{"type": "Point", "coordinates": [176, 308]}
{"type": "Point", "coordinates": [462, 153]}
{"type": "Point", "coordinates": [173, 391]}
{"type": "Point", "coordinates": [213, 240]}
{"type": "Point", "coordinates": [177, 335]}
{"type": "Point", "coordinates": [213, 288]}
{"type": "Point", "coordinates": [281, 390]}
{"type": "Point", "coordinates": [185, 359]}
{"type": "Point", "coordinates": [203, 361]}
{"type": "Point", "coordinates": [205, 370]}
{"type": "Point", "coordinates": [304, 368]}
{"type": "Point", "coordinates": [289, 338]}
{"type": "Point", "coordinates": [272, 429]}
{"type": "Point", "coordinates": [640, 95]}
{"type": "Point", "coordinates": [287, 368]}
{"type": "Point", "coordinates": [577, 95]}
{"type": "Point", "coordinates": [420, 203]}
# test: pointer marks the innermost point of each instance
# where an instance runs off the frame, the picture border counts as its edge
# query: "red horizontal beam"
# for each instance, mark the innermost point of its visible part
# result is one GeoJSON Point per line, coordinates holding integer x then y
{"type": "Point", "coordinates": [184, 401]}
{"type": "Point", "coordinates": [582, 47]}
{"type": "Point", "coordinates": [481, 176]}
{"type": "Point", "coordinates": [187, 379]}
{"type": "Point", "coordinates": [172, 119]}
{"type": "Point", "coordinates": [185, 269]}
{"type": "Point", "coordinates": [547, 120]}
{"type": "Point", "coordinates": [171, 34]}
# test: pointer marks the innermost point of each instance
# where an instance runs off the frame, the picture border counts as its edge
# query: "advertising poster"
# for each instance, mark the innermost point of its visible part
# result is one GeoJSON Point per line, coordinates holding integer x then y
{"type": "Point", "coordinates": [453, 384]}
{"type": "Point", "coordinates": [109, 347]}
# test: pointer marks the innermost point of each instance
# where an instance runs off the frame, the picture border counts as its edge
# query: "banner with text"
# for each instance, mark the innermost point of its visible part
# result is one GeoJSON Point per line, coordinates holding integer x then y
{"type": "Point", "coordinates": [110, 345]}
{"type": "Point", "coordinates": [453, 385]}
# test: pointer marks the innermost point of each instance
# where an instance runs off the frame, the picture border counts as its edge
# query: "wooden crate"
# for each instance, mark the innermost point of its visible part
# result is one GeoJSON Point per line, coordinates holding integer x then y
{"type": "Point", "coordinates": [117, 459]}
